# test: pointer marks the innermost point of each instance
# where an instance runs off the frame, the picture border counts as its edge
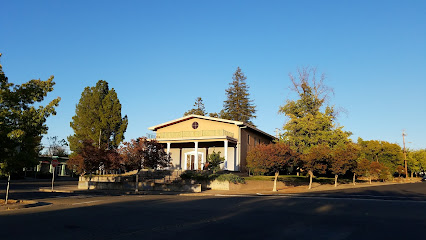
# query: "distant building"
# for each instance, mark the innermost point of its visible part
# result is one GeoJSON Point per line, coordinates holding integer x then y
{"type": "Point", "coordinates": [45, 166]}
{"type": "Point", "coordinates": [192, 138]}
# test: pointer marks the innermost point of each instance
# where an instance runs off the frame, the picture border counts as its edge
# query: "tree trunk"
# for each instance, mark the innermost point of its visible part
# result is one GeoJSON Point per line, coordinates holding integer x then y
{"type": "Point", "coordinates": [370, 180]}
{"type": "Point", "coordinates": [412, 174]}
{"type": "Point", "coordinates": [137, 182]}
{"type": "Point", "coordinates": [7, 188]}
{"type": "Point", "coordinates": [310, 178]}
{"type": "Point", "coordinates": [354, 179]}
{"type": "Point", "coordinates": [335, 180]}
{"type": "Point", "coordinates": [275, 181]}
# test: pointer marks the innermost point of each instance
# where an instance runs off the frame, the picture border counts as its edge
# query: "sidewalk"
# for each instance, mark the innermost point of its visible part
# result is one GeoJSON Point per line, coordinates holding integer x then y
{"type": "Point", "coordinates": [316, 187]}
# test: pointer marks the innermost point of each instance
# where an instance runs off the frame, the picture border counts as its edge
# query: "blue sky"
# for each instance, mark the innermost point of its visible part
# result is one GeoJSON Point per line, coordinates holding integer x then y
{"type": "Point", "coordinates": [160, 55]}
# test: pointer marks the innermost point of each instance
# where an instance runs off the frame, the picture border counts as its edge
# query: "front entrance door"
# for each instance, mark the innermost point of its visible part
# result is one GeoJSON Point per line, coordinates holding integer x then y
{"type": "Point", "coordinates": [193, 164]}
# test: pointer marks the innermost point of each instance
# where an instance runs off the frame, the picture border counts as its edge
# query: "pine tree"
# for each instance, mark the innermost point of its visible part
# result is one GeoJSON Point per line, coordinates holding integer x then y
{"type": "Point", "coordinates": [238, 106]}
{"type": "Point", "coordinates": [198, 109]}
{"type": "Point", "coordinates": [98, 119]}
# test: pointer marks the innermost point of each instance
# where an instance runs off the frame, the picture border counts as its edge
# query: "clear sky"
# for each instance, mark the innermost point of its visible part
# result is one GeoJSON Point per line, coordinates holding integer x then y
{"type": "Point", "coordinates": [160, 55]}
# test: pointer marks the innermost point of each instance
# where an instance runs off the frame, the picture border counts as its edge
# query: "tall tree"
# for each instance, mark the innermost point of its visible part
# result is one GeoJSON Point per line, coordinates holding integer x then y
{"type": "Point", "coordinates": [21, 123]}
{"type": "Point", "coordinates": [238, 106]}
{"type": "Point", "coordinates": [271, 158]}
{"type": "Point", "coordinates": [308, 125]}
{"type": "Point", "coordinates": [198, 109]}
{"type": "Point", "coordinates": [98, 118]}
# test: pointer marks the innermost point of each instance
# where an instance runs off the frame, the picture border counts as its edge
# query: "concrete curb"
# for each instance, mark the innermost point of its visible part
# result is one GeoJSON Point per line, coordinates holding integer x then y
{"type": "Point", "coordinates": [20, 204]}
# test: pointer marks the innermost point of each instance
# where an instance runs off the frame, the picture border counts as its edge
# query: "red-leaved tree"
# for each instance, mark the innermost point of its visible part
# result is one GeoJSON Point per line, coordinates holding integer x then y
{"type": "Point", "coordinates": [316, 160]}
{"type": "Point", "coordinates": [342, 159]}
{"type": "Point", "coordinates": [271, 158]}
{"type": "Point", "coordinates": [143, 153]}
{"type": "Point", "coordinates": [91, 158]}
{"type": "Point", "coordinates": [363, 168]}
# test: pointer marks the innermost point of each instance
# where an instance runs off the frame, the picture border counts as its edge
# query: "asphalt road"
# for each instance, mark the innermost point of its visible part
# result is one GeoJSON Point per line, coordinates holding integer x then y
{"type": "Point", "coordinates": [386, 212]}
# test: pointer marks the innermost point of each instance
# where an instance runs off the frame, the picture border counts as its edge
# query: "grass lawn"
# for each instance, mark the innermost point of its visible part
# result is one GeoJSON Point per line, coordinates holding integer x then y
{"type": "Point", "coordinates": [294, 179]}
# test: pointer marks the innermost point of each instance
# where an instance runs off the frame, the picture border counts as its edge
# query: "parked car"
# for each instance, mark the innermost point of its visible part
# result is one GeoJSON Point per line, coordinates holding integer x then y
{"type": "Point", "coordinates": [424, 178]}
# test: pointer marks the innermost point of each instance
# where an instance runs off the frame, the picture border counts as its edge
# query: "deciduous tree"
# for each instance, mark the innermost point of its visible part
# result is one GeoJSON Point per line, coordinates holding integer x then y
{"type": "Point", "coordinates": [56, 147]}
{"type": "Point", "coordinates": [309, 122]}
{"type": "Point", "coordinates": [364, 168]}
{"type": "Point", "coordinates": [91, 158]}
{"type": "Point", "coordinates": [144, 153]}
{"type": "Point", "coordinates": [271, 158]}
{"type": "Point", "coordinates": [342, 159]}
{"type": "Point", "coordinates": [388, 154]}
{"type": "Point", "coordinates": [316, 160]}
{"type": "Point", "coordinates": [400, 170]}
{"type": "Point", "coordinates": [416, 160]}
{"type": "Point", "coordinates": [379, 171]}
{"type": "Point", "coordinates": [22, 124]}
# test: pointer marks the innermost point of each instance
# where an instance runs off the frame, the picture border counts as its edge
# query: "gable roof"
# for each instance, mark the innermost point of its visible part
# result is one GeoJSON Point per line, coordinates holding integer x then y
{"type": "Point", "coordinates": [185, 118]}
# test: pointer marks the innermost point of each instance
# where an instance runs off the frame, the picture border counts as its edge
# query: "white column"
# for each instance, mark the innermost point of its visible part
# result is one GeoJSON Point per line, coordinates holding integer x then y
{"type": "Point", "coordinates": [168, 148]}
{"type": "Point", "coordinates": [196, 156]}
{"type": "Point", "coordinates": [63, 170]}
{"type": "Point", "coordinates": [226, 153]}
{"type": "Point", "coordinates": [235, 159]}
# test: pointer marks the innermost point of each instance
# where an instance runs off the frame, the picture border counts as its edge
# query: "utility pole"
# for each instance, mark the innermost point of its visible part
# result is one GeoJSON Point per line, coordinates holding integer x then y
{"type": "Point", "coordinates": [405, 154]}
{"type": "Point", "coordinates": [277, 133]}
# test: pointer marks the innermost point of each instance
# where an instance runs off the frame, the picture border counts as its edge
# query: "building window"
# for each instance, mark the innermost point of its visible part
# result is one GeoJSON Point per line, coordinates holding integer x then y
{"type": "Point", "coordinates": [248, 139]}
{"type": "Point", "coordinates": [194, 125]}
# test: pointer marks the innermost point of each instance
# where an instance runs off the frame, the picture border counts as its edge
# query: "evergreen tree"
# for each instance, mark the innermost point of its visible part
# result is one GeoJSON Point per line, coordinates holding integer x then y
{"type": "Point", "coordinates": [98, 118]}
{"type": "Point", "coordinates": [198, 109]}
{"type": "Point", "coordinates": [238, 106]}
{"type": "Point", "coordinates": [21, 123]}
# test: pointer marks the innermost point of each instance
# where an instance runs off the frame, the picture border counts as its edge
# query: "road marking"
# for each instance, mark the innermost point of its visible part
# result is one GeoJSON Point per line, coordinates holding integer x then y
{"type": "Point", "coordinates": [86, 202]}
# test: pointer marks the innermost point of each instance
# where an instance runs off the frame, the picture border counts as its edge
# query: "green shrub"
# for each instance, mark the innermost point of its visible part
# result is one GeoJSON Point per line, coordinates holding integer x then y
{"type": "Point", "coordinates": [214, 160]}
{"type": "Point", "coordinates": [196, 175]}
{"type": "Point", "coordinates": [230, 178]}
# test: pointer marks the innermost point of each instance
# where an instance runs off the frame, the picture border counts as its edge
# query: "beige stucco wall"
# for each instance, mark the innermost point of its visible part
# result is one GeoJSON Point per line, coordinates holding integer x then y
{"type": "Point", "coordinates": [203, 124]}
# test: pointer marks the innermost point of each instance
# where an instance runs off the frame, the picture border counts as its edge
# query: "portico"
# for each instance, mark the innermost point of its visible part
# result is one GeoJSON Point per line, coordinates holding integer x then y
{"type": "Point", "coordinates": [192, 153]}
{"type": "Point", "coordinates": [191, 139]}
